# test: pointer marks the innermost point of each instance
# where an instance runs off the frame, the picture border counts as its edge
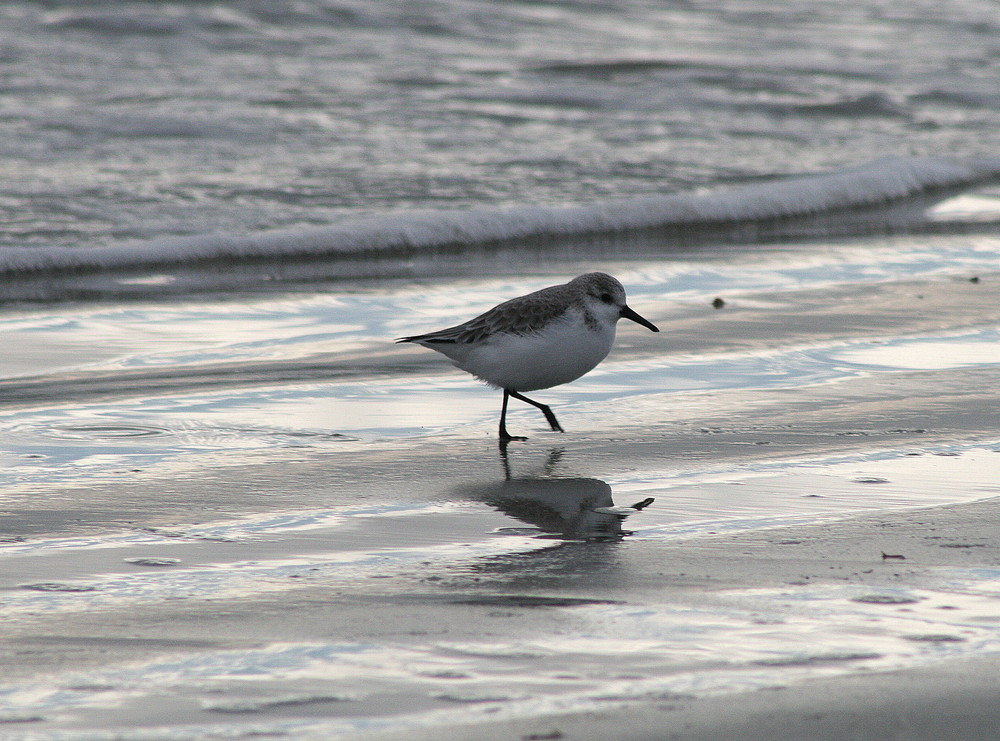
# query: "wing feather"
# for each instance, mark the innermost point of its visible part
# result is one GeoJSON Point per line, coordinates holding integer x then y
{"type": "Point", "coordinates": [521, 316]}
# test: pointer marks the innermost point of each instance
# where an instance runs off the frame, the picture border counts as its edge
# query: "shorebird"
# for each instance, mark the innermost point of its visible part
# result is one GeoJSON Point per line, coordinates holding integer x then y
{"type": "Point", "coordinates": [539, 340]}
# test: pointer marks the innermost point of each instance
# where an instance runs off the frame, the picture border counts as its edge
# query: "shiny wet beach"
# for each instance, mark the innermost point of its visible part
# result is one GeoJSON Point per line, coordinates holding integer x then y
{"type": "Point", "coordinates": [200, 524]}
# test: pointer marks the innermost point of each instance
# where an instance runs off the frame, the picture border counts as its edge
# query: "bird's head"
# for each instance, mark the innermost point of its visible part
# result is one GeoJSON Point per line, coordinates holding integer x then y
{"type": "Point", "coordinates": [605, 297]}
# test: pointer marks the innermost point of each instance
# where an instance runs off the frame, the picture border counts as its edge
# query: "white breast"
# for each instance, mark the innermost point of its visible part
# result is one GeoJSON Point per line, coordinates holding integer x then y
{"type": "Point", "coordinates": [560, 353]}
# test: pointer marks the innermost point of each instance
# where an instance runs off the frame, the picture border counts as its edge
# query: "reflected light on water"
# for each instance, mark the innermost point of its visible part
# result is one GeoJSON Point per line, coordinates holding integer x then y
{"type": "Point", "coordinates": [926, 354]}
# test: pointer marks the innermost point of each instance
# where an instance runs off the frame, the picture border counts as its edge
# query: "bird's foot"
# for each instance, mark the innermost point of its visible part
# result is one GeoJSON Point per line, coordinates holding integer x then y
{"type": "Point", "coordinates": [504, 439]}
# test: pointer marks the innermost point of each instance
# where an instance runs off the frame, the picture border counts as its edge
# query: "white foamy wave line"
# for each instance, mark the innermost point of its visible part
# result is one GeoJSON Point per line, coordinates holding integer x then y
{"type": "Point", "coordinates": [870, 184]}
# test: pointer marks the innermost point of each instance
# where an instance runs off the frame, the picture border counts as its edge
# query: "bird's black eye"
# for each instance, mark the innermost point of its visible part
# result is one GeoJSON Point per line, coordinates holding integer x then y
{"type": "Point", "coordinates": [607, 298]}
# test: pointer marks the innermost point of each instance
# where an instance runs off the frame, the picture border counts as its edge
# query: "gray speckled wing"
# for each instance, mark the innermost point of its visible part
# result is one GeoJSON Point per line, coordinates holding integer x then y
{"type": "Point", "coordinates": [520, 316]}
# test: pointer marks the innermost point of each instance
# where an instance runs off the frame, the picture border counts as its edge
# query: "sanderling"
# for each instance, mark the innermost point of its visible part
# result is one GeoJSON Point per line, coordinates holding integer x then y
{"type": "Point", "coordinates": [544, 339]}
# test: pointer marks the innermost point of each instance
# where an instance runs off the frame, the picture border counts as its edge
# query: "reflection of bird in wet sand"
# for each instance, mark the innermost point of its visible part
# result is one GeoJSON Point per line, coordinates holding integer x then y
{"type": "Point", "coordinates": [537, 341]}
{"type": "Point", "coordinates": [568, 508]}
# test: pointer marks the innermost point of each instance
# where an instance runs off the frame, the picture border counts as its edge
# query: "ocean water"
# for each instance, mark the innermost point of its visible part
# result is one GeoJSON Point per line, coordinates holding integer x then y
{"type": "Point", "coordinates": [167, 133]}
{"type": "Point", "coordinates": [215, 217]}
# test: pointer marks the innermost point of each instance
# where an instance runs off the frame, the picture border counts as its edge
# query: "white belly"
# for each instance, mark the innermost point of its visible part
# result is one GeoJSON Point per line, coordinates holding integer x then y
{"type": "Point", "coordinates": [561, 353]}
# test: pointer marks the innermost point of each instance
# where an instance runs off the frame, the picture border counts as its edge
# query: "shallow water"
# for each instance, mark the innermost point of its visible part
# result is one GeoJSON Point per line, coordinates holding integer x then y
{"type": "Point", "coordinates": [157, 385]}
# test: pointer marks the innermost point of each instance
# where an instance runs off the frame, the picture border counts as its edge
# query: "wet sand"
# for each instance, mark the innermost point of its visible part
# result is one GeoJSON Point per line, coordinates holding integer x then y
{"type": "Point", "coordinates": [948, 700]}
{"type": "Point", "coordinates": [932, 601]}
{"type": "Point", "coordinates": [820, 559]}
{"type": "Point", "coordinates": [943, 698]}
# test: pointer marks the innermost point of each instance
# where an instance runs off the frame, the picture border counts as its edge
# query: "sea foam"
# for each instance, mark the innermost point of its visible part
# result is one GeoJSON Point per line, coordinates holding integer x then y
{"type": "Point", "coordinates": [881, 181]}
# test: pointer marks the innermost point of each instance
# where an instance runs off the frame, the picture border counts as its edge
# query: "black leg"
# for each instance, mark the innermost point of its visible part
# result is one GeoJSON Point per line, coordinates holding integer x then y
{"type": "Point", "coordinates": [506, 437]}
{"type": "Point", "coordinates": [549, 416]}
{"type": "Point", "coordinates": [505, 460]}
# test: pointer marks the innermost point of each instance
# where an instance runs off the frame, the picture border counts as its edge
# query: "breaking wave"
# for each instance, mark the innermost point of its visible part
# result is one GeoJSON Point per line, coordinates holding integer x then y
{"type": "Point", "coordinates": [876, 183]}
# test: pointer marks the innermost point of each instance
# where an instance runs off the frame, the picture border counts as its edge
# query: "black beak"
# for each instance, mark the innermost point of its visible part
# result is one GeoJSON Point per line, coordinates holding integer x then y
{"type": "Point", "coordinates": [627, 313]}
